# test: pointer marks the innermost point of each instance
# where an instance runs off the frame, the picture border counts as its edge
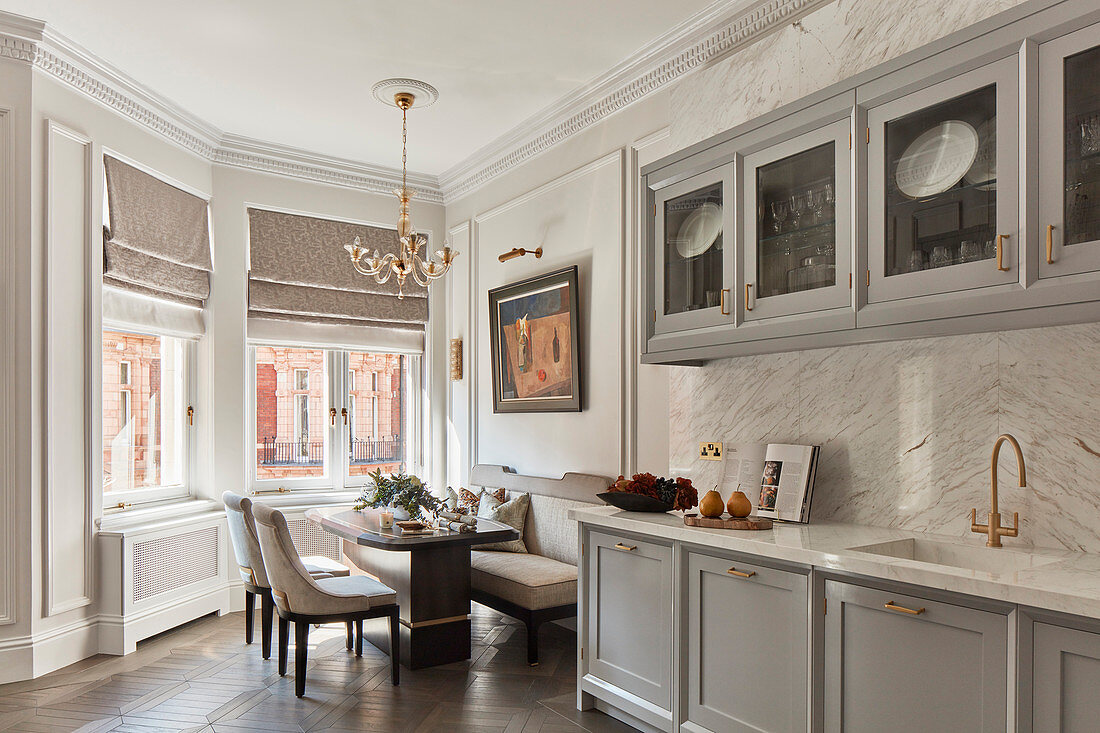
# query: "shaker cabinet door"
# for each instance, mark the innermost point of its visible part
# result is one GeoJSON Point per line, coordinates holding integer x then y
{"type": "Point", "coordinates": [943, 187]}
{"type": "Point", "coordinates": [747, 654]}
{"type": "Point", "coordinates": [798, 225]}
{"type": "Point", "coordinates": [630, 616]}
{"type": "Point", "coordinates": [1065, 680]}
{"type": "Point", "coordinates": [1069, 154]}
{"type": "Point", "coordinates": [693, 261]}
{"type": "Point", "coordinates": [912, 665]}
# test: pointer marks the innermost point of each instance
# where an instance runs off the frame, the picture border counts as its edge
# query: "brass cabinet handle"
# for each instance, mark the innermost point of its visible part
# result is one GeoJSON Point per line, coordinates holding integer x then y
{"type": "Point", "coordinates": [1050, 244]}
{"type": "Point", "coordinates": [344, 414]}
{"type": "Point", "coordinates": [891, 606]}
{"type": "Point", "coordinates": [739, 574]}
{"type": "Point", "coordinates": [723, 305]}
{"type": "Point", "coordinates": [332, 415]}
{"type": "Point", "coordinates": [1001, 252]}
{"type": "Point", "coordinates": [190, 415]}
{"type": "Point", "coordinates": [628, 548]}
{"type": "Point", "coordinates": [747, 306]}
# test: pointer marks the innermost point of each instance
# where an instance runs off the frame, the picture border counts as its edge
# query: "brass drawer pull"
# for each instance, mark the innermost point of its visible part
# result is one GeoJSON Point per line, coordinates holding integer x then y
{"type": "Point", "coordinates": [747, 295]}
{"type": "Point", "coordinates": [628, 548]}
{"type": "Point", "coordinates": [891, 606]}
{"type": "Point", "coordinates": [1001, 252]}
{"type": "Point", "coordinates": [739, 574]}
{"type": "Point", "coordinates": [1050, 244]}
{"type": "Point", "coordinates": [725, 310]}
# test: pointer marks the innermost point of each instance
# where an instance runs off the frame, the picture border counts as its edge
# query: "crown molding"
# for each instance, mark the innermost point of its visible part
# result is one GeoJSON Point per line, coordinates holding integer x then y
{"type": "Point", "coordinates": [708, 36]}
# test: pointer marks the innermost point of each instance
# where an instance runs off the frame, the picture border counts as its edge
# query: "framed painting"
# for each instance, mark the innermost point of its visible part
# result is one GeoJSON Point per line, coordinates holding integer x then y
{"type": "Point", "coordinates": [535, 344]}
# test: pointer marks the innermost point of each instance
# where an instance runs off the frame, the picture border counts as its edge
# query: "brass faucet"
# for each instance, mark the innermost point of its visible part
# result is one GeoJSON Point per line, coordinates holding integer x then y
{"type": "Point", "coordinates": [993, 529]}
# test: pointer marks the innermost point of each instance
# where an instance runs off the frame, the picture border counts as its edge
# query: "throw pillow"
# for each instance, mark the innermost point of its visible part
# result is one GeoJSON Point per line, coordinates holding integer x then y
{"type": "Point", "coordinates": [488, 501]}
{"type": "Point", "coordinates": [469, 503]}
{"type": "Point", "coordinates": [513, 513]}
{"type": "Point", "coordinates": [450, 501]}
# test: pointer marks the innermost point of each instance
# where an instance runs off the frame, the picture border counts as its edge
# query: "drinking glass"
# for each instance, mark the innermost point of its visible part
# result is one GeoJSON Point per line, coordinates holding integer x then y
{"type": "Point", "coordinates": [830, 200]}
{"type": "Point", "coordinates": [798, 207]}
{"type": "Point", "coordinates": [779, 215]}
{"type": "Point", "coordinates": [989, 249]}
{"type": "Point", "coordinates": [970, 251]}
{"type": "Point", "coordinates": [916, 260]}
{"type": "Point", "coordinates": [941, 256]}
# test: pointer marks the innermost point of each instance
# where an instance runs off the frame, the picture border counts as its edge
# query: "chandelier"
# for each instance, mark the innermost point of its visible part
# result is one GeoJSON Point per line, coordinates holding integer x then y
{"type": "Point", "coordinates": [408, 261]}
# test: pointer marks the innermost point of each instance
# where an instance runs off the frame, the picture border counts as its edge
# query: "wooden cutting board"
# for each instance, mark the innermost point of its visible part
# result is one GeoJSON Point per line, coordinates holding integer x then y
{"type": "Point", "coordinates": [694, 520]}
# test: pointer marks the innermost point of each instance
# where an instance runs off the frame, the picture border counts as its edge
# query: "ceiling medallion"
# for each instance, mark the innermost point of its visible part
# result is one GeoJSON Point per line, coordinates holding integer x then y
{"type": "Point", "coordinates": [403, 94]}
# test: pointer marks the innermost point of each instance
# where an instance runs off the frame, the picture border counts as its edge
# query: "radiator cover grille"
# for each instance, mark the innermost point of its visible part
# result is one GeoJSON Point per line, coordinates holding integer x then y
{"type": "Point", "coordinates": [167, 563]}
{"type": "Point", "coordinates": [311, 539]}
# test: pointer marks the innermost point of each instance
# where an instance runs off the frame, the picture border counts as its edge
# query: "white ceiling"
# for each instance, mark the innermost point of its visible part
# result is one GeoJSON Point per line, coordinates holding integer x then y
{"type": "Point", "coordinates": [299, 73]}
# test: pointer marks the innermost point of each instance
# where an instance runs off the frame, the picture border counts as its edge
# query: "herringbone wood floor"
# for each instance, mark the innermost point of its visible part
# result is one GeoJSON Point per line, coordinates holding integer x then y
{"type": "Point", "coordinates": [202, 678]}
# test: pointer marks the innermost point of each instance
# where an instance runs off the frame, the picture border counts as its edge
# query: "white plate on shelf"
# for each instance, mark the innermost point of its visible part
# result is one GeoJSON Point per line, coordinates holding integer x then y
{"type": "Point", "coordinates": [985, 162]}
{"type": "Point", "coordinates": [937, 159]}
{"type": "Point", "coordinates": [699, 231]}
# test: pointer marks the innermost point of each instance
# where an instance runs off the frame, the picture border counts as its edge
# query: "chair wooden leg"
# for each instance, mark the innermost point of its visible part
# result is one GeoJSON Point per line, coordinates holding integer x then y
{"type": "Point", "coordinates": [267, 608]}
{"type": "Point", "coordinates": [359, 638]}
{"type": "Point", "coordinates": [351, 634]}
{"type": "Point", "coordinates": [301, 635]}
{"type": "Point", "coordinates": [249, 607]}
{"type": "Point", "coordinates": [395, 647]}
{"type": "Point", "coordinates": [284, 642]}
{"type": "Point", "coordinates": [532, 644]}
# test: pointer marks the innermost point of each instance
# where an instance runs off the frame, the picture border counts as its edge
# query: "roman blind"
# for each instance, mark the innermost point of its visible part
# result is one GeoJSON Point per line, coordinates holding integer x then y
{"type": "Point", "coordinates": [299, 272]}
{"type": "Point", "coordinates": [156, 245]}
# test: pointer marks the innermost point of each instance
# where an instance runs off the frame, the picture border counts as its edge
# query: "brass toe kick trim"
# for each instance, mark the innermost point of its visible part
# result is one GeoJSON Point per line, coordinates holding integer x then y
{"type": "Point", "coordinates": [434, 621]}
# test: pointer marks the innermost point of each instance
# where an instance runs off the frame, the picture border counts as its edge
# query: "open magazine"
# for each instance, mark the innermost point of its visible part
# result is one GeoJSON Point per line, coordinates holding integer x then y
{"type": "Point", "coordinates": [778, 478]}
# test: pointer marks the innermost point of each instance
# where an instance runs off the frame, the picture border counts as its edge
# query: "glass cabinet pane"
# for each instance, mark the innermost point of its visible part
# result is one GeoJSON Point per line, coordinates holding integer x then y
{"type": "Point", "coordinates": [1082, 139]}
{"type": "Point", "coordinates": [796, 223]}
{"type": "Point", "coordinates": [693, 250]}
{"type": "Point", "coordinates": [941, 184]}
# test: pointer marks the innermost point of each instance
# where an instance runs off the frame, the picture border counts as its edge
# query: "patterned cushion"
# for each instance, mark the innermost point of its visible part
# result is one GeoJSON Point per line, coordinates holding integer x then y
{"type": "Point", "coordinates": [529, 581]}
{"type": "Point", "coordinates": [469, 503]}
{"type": "Point", "coordinates": [513, 513]}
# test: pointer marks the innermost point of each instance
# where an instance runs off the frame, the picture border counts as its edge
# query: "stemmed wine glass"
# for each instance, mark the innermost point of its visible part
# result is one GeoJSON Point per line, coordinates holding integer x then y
{"type": "Point", "coordinates": [779, 215]}
{"type": "Point", "coordinates": [798, 207]}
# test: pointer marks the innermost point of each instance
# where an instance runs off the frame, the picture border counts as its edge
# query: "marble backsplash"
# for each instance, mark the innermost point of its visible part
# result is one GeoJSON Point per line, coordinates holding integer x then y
{"type": "Point", "coordinates": [907, 427]}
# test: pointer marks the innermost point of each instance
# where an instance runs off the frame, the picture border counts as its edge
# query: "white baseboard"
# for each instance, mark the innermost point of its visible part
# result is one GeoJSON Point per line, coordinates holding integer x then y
{"type": "Point", "coordinates": [119, 635]}
{"type": "Point", "coordinates": [26, 657]}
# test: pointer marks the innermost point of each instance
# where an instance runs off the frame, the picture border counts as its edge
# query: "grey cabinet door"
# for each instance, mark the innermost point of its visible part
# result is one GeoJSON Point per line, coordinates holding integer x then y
{"type": "Point", "coordinates": [747, 653]}
{"type": "Point", "coordinates": [1065, 680]}
{"type": "Point", "coordinates": [1069, 153]}
{"type": "Point", "coordinates": [908, 664]}
{"type": "Point", "coordinates": [630, 616]}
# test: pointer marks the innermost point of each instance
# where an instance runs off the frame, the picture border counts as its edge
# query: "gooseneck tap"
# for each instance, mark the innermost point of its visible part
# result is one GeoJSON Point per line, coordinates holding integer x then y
{"type": "Point", "coordinates": [993, 529]}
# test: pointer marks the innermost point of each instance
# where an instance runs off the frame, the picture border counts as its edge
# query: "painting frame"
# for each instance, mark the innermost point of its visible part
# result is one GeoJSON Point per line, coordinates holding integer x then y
{"type": "Point", "coordinates": [564, 395]}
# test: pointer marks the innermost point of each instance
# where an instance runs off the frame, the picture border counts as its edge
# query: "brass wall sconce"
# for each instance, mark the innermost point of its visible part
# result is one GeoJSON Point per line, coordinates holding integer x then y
{"type": "Point", "coordinates": [456, 360]}
{"type": "Point", "coordinates": [520, 252]}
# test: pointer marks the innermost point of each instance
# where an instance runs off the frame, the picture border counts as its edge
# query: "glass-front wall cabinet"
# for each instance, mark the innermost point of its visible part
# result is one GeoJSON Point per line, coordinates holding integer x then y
{"type": "Point", "coordinates": [1069, 153]}
{"type": "Point", "coordinates": [798, 252]}
{"type": "Point", "coordinates": [942, 190]}
{"type": "Point", "coordinates": [695, 252]}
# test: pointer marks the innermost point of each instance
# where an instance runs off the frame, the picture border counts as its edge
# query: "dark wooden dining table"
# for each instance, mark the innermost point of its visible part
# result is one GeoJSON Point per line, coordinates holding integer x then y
{"type": "Point", "coordinates": [430, 572]}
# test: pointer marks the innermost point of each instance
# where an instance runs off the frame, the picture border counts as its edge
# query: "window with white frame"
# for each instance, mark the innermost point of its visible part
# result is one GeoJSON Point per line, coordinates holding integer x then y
{"type": "Point", "coordinates": [144, 416]}
{"type": "Point", "coordinates": [297, 393]}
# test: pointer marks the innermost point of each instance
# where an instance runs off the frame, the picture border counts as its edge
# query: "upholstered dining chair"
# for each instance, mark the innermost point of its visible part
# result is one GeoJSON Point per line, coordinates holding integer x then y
{"type": "Point", "coordinates": [246, 547]}
{"type": "Point", "coordinates": [305, 600]}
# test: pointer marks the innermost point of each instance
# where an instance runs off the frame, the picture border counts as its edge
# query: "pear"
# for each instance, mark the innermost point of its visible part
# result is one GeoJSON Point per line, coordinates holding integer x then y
{"type": "Point", "coordinates": [739, 505]}
{"type": "Point", "coordinates": [711, 504]}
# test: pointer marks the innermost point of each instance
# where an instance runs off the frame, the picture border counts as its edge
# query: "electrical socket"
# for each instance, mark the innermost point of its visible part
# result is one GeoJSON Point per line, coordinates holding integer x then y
{"type": "Point", "coordinates": [710, 451]}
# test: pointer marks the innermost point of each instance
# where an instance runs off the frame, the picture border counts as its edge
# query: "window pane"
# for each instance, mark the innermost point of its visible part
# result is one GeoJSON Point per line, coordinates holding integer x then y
{"type": "Point", "coordinates": [143, 411]}
{"type": "Point", "coordinates": [376, 416]}
{"type": "Point", "coordinates": [291, 413]}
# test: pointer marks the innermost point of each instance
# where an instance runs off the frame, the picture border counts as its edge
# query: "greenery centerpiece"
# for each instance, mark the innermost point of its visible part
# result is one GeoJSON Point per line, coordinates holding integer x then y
{"type": "Point", "coordinates": [400, 491]}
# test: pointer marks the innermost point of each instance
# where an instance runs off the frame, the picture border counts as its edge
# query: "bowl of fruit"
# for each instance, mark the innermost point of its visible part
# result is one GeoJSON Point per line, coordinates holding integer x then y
{"type": "Point", "coordinates": [644, 492]}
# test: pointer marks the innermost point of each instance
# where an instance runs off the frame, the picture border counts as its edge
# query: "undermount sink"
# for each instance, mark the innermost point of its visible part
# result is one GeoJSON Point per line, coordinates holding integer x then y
{"type": "Point", "coordinates": [995, 561]}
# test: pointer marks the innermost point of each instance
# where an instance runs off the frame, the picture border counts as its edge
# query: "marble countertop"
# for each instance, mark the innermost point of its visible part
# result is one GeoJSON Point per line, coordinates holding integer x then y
{"type": "Point", "coordinates": [1051, 579]}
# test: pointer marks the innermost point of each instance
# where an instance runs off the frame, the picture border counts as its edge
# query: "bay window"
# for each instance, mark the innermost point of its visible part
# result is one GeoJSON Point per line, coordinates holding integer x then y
{"type": "Point", "coordinates": [312, 428]}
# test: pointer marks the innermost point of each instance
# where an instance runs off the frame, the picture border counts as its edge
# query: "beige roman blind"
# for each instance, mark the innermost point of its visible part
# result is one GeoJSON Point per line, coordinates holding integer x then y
{"type": "Point", "coordinates": [158, 240]}
{"type": "Point", "coordinates": [299, 271]}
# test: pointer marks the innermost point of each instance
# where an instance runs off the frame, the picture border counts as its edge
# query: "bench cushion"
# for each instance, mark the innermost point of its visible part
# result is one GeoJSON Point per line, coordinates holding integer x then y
{"type": "Point", "coordinates": [529, 581]}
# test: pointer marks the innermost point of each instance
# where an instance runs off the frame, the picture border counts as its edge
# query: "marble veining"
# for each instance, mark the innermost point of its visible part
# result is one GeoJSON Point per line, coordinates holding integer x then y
{"type": "Point", "coordinates": [906, 427]}
{"type": "Point", "coordinates": [835, 42]}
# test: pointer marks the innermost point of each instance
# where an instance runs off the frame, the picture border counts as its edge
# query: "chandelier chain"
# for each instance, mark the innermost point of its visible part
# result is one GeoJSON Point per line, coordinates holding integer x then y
{"type": "Point", "coordinates": [404, 145]}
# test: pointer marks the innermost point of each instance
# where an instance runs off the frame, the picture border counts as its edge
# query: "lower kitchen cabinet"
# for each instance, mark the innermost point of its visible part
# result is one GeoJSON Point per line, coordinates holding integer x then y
{"type": "Point", "coordinates": [905, 663]}
{"type": "Point", "coordinates": [1065, 680]}
{"type": "Point", "coordinates": [629, 616]}
{"type": "Point", "coordinates": [747, 647]}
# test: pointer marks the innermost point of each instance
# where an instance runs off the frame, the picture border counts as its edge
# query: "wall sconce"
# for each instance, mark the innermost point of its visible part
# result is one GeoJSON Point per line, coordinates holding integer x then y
{"type": "Point", "coordinates": [456, 360]}
{"type": "Point", "coordinates": [520, 252]}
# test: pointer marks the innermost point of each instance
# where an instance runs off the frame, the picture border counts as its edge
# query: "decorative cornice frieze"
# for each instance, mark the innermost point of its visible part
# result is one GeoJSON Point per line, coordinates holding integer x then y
{"type": "Point", "coordinates": [664, 61]}
{"type": "Point", "coordinates": [705, 38]}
